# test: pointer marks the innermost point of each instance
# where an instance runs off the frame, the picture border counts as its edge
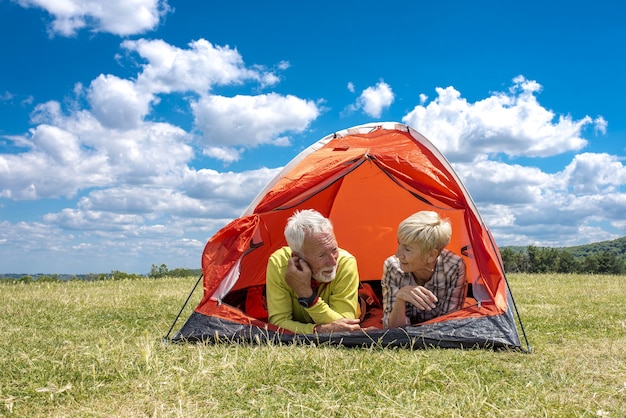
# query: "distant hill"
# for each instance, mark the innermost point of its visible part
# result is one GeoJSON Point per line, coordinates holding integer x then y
{"type": "Point", "coordinates": [616, 246]}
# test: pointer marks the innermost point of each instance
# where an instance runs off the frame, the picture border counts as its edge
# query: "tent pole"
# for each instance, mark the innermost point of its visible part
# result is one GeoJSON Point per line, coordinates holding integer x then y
{"type": "Point", "coordinates": [508, 288]}
{"type": "Point", "coordinates": [519, 318]}
{"type": "Point", "coordinates": [166, 338]}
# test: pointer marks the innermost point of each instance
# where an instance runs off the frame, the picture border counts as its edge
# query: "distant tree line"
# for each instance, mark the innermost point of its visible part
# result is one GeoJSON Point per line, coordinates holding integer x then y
{"type": "Point", "coordinates": [550, 260]}
{"type": "Point", "coordinates": [162, 271]}
{"type": "Point", "coordinates": [89, 277]}
{"type": "Point", "coordinates": [156, 272]}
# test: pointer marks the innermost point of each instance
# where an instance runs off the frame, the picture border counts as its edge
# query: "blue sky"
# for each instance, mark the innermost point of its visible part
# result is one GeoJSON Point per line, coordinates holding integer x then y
{"type": "Point", "coordinates": [132, 130]}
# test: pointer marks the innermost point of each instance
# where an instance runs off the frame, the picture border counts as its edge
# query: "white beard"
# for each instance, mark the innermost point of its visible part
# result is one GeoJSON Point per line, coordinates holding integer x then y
{"type": "Point", "coordinates": [325, 277]}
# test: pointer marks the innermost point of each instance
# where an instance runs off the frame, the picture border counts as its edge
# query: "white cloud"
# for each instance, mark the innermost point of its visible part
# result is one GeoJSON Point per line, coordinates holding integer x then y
{"type": "Point", "coordinates": [600, 125]}
{"type": "Point", "coordinates": [135, 225]}
{"type": "Point", "coordinates": [26, 237]}
{"type": "Point", "coordinates": [500, 183]}
{"type": "Point", "coordinates": [69, 153]}
{"type": "Point", "coordinates": [240, 187]}
{"type": "Point", "coordinates": [202, 194]}
{"type": "Point", "coordinates": [595, 173]}
{"type": "Point", "coordinates": [512, 123]}
{"type": "Point", "coordinates": [550, 209]}
{"type": "Point", "coordinates": [197, 69]}
{"type": "Point", "coordinates": [373, 100]}
{"type": "Point", "coordinates": [75, 219]}
{"type": "Point", "coordinates": [560, 209]}
{"type": "Point", "coordinates": [226, 154]}
{"type": "Point", "coordinates": [117, 103]}
{"type": "Point", "coordinates": [119, 17]}
{"type": "Point", "coordinates": [54, 166]}
{"type": "Point", "coordinates": [224, 122]}
{"type": "Point", "coordinates": [176, 242]}
{"type": "Point", "coordinates": [252, 120]}
{"type": "Point", "coordinates": [61, 146]}
{"type": "Point", "coordinates": [6, 96]}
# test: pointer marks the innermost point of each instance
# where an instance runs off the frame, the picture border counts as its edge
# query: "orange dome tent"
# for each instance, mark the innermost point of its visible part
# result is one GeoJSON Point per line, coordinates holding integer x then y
{"type": "Point", "coordinates": [366, 179]}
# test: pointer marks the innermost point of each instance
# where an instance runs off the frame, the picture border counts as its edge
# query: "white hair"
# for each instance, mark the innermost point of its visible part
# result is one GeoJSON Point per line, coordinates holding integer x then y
{"type": "Point", "coordinates": [305, 223]}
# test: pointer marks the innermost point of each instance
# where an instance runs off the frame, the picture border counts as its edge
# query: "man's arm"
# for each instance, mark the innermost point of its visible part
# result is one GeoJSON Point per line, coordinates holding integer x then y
{"type": "Point", "coordinates": [279, 297]}
{"type": "Point", "coordinates": [343, 299]}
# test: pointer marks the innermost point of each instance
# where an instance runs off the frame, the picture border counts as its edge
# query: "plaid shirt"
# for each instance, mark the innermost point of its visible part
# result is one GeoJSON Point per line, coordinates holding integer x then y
{"type": "Point", "coordinates": [448, 283]}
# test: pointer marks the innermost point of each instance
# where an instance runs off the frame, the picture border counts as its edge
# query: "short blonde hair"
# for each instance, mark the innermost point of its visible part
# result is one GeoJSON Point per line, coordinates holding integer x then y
{"type": "Point", "coordinates": [425, 229]}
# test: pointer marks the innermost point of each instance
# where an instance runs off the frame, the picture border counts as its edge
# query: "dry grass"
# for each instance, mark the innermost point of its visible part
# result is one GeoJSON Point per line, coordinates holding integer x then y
{"type": "Point", "coordinates": [94, 349]}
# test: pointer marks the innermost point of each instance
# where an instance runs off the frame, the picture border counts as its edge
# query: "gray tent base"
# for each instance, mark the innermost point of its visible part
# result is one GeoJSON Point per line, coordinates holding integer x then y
{"type": "Point", "coordinates": [490, 332]}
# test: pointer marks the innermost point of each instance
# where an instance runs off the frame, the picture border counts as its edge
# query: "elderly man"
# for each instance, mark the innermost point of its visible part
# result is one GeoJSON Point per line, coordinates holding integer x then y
{"type": "Point", "coordinates": [312, 285]}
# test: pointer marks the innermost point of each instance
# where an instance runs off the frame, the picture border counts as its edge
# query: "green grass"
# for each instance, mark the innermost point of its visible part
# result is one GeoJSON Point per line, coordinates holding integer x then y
{"type": "Point", "coordinates": [94, 349]}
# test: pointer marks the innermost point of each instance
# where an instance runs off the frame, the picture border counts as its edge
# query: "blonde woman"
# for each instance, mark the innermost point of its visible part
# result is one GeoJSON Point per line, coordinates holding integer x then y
{"type": "Point", "coordinates": [422, 280]}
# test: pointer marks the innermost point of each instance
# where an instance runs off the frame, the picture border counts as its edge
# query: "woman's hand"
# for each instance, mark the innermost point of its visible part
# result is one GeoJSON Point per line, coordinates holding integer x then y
{"type": "Point", "coordinates": [418, 296]}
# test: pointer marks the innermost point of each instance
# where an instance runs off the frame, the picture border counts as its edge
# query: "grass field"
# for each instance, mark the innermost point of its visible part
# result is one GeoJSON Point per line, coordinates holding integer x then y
{"type": "Point", "coordinates": [94, 349]}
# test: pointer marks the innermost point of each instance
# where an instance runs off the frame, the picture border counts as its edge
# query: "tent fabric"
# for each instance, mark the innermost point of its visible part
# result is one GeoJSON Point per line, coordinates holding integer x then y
{"type": "Point", "coordinates": [366, 179]}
